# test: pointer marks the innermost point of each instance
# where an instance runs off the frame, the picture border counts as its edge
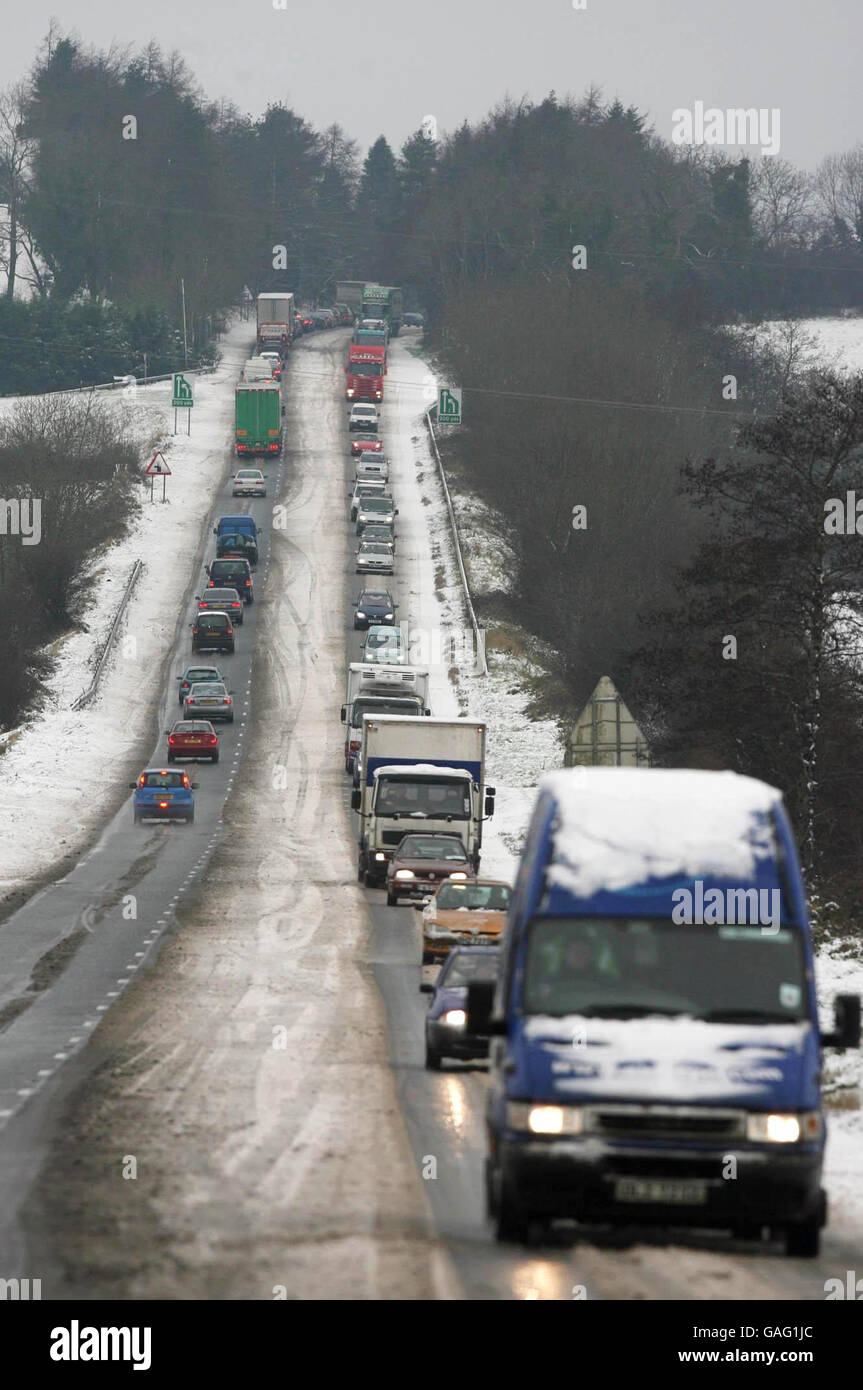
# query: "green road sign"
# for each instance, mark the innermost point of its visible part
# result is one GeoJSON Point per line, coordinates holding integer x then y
{"type": "Point", "coordinates": [449, 405]}
{"type": "Point", "coordinates": [183, 395]}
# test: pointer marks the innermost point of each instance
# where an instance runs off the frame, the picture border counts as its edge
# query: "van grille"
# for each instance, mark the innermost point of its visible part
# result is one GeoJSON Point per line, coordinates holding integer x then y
{"type": "Point", "coordinates": [657, 1122]}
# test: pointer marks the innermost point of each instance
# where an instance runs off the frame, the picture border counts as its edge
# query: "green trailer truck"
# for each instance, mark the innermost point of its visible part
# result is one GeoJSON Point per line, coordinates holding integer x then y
{"type": "Point", "coordinates": [258, 413]}
{"type": "Point", "coordinates": [383, 302]}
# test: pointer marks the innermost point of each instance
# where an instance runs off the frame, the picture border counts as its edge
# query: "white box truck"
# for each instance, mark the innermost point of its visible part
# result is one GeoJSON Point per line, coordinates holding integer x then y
{"type": "Point", "coordinates": [378, 689]}
{"type": "Point", "coordinates": [276, 314]}
{"type": "Point", "coordinates": [418, 774]}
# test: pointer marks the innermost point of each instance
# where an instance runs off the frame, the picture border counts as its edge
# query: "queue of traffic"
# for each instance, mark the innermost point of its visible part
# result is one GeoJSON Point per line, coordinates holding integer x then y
{"type": "Point", "coordinates": [646, 991]}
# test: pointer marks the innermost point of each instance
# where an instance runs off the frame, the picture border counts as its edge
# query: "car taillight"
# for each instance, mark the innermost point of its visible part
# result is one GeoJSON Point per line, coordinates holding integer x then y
{"type": "Point", "coordinates": [227, 700]}
{"type": "Point", "coordinates": [213, 738]}
{"type": "Point", "coordinates": [163, 804]}
{"type": "Point", "coordinates": [171, 738]}
{"type": "Point", "coordinates": [185, 780]}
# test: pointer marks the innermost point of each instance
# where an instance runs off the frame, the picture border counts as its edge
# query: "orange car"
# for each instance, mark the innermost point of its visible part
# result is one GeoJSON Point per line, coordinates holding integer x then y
{"type": "Point", "coordinates": [463, 914]}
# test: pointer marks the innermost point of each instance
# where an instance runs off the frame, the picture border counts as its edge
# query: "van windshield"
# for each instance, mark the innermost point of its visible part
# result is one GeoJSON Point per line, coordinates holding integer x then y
{"type": "Point", "coordinates": [633, 967]}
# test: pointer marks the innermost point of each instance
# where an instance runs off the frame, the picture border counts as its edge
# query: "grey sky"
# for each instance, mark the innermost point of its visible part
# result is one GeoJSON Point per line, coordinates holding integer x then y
{"type": "Point", "coordinates": [380, 66]}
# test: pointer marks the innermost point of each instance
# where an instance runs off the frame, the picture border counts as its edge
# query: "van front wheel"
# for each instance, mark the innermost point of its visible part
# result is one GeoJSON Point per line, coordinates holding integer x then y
{"type": "Point", "coordinates": [803, 1239]}
{"type": "Point", "coordinates": [512, 1225]}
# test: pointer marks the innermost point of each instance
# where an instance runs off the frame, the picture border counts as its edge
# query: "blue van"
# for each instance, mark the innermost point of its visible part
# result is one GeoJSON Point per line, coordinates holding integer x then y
{"type": "Point", "coordinates": [656, 1058]}
{"type": "Point", "coordinates": [230, 528]}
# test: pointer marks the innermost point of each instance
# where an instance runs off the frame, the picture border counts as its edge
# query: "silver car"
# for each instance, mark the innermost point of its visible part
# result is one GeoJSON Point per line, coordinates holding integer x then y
{"type": "Point", "coordinates": [366, 488]}
{"type": "Point", "coordinates": [375, 509]}
{"type": "Point", "coordinates": [371, 468]}
{"type": "Point", "coordinates": [375, 556]}
{"type": "Point", "coordinates": [249, 482]}
{"type": "Point", "coordinates": [209, 700]}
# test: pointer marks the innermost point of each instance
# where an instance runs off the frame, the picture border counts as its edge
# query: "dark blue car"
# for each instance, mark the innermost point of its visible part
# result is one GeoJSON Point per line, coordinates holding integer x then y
{"type": "Point", "coordinates": [446, 1020]}
{"type": "Point", "coordinates": [163, 794]}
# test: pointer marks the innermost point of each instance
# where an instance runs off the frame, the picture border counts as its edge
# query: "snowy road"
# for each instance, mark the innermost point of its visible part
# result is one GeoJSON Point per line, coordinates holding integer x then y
{"type": "Point", "coordinates": [266, 1073]}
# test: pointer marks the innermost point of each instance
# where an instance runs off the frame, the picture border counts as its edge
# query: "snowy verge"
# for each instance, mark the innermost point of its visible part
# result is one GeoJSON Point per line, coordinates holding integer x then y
{"type": "Point", "coordinates": [58, 778]}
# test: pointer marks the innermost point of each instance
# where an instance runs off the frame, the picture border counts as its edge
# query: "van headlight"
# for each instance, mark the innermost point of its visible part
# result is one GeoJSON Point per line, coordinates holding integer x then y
{"type": "Point", "coordinates": [783, 1129]}
{"type": "Point", "coordinates": [526, 1118]}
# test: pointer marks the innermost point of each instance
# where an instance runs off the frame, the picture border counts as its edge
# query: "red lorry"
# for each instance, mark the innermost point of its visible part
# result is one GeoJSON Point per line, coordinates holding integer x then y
{"type": "Point", "coordinates": [364, 372]}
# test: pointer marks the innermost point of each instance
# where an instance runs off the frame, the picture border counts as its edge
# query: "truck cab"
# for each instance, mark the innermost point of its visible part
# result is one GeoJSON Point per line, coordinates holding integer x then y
{"type": "Point", "coordinates": [657, 1056]}
{"type": "Point", "coordinates": [419, 774]}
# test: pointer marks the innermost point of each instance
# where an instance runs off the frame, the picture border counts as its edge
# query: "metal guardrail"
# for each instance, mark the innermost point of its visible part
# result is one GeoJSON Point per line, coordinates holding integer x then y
{"type": "Point", "coordinates": [478, 632]}
{"type": "Point", "coordinates": [122, 385]}
{"type": "Point", "coordinates": [87, 695]}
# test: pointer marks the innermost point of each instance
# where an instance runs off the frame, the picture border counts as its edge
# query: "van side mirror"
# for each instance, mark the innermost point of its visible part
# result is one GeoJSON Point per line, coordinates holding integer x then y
{"type": "Point", "coordinates": [344, 713]}
{"type": "Point", "coordinates": [489, 801]}
{"type": "Point", "coordinates": [426, 988]}
{"type": "Point", "coordinates": [480, 1001]}
{"type": "Point", "coordinates": [846, 1022]}
{"type": "Point", "coordinates": [355, 799]}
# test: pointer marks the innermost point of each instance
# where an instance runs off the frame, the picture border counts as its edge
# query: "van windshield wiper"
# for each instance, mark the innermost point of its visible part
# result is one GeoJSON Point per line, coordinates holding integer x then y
{"type": "Point", "coordinates": [745, 1016]}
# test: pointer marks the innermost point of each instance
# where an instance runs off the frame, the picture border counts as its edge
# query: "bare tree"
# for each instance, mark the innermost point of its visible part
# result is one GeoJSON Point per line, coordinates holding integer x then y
{"type": "Point", "coordinates": [16, 154]}
{"type": "Point", "coordinates": [782, 200]}
{"type": "Point", "coordinates": [839, 184]}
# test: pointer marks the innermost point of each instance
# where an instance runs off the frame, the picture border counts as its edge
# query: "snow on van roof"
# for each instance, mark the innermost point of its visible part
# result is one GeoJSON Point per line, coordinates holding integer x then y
{"type": "Point", "coordinates": [622, 826]}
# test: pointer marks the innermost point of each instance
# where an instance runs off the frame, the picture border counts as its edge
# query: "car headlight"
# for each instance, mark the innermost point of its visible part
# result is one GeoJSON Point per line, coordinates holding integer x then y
{"type": "Point", "coordinates": [405, 873]}
{"type": "Point", "coordinates": [380, 856]}
{"type": "Point", "coordinates": [783, 1129]}
{"type": "Point", "coordinates": [526, 1118]}
{"type": "Point", "coordinates": [458, 874]}
{"type": "Point", "coordinates": [360, 615]}
{"type": "Point", "coordinates": [454, 1018]}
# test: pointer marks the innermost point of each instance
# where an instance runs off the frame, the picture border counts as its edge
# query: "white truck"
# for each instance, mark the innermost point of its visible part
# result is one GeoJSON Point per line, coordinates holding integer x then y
{"type": "Point", "coordinates": [377, 690]}
{"type": "Point", "coordinates": [276, 315]}
{"type": "Point", "coordinates": [258, 369]}
{"type": "Point", "coordinates": [418, 774]}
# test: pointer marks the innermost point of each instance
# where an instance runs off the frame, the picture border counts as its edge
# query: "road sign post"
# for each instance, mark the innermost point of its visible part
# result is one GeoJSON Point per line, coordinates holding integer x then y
{"type": "Point", "coordinates": [158, 468]}
{"type": "Point", "coordinates": [182, 398]}
{"type": "Point", "coordinates": [449, 405]}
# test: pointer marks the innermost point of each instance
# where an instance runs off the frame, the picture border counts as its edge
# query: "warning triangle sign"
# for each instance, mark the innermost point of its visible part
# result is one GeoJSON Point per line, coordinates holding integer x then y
{"type": "Point", "coordinates": [157, 465]}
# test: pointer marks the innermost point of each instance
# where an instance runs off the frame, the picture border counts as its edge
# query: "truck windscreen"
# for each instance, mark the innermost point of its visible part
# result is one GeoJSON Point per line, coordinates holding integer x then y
{"type": "Point", "coordinates": [631, 968]}
{"type": "Point", "coordinates": [376, 707]}
{"type": "Point", "coordinates": [364, 368]}
{"type": "Point", "coordinates": [424, 797]}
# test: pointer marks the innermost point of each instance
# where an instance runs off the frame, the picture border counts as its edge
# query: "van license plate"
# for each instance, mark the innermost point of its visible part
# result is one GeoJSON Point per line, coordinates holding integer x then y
{"type": "Point", "coordinates": [660, 1191]}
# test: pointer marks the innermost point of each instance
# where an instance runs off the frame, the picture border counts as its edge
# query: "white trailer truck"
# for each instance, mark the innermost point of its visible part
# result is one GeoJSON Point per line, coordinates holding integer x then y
{"type": "Point", "coordinates": [276, 314]}
{"type": "Point", "coordinates": [419, 774]}
{"type": "Point", "coordinates": [377, 690]}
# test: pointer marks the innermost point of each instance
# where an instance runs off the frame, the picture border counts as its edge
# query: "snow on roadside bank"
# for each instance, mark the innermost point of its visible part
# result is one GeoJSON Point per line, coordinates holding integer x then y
{"type": "Point", "coordinates": [519, 749]}
{"type": "Point", "coordinates": [53, 787]}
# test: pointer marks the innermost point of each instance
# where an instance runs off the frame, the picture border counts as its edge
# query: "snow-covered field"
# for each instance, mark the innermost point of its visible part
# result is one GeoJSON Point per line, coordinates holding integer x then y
{"type": "Point", "coordinates": [53, 788]}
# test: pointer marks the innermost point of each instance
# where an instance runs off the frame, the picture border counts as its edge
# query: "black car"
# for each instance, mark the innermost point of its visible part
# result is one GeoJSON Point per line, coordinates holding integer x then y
{"type": "Point", "coordinates": [212, 632]}
{"type": "Point", "coordinates": [374, 606]}
{"type": "Point", "coordinates": [237, 544]}
{"type": "Point", "coordinates": [231, 573]}
{"type": "Point", "coordinates": [446, 1020]}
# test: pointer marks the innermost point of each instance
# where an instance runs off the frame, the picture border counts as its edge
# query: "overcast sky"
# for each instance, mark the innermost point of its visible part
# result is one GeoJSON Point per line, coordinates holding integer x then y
{"type": "Point", "coordinates": [380, 66]}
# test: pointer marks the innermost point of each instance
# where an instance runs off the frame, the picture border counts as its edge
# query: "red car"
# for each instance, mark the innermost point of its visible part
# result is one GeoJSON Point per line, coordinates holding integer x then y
{"type": "Point", "coordinates": [365, 444]}
{"type": "Point", "coordinates": [193, 738]}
